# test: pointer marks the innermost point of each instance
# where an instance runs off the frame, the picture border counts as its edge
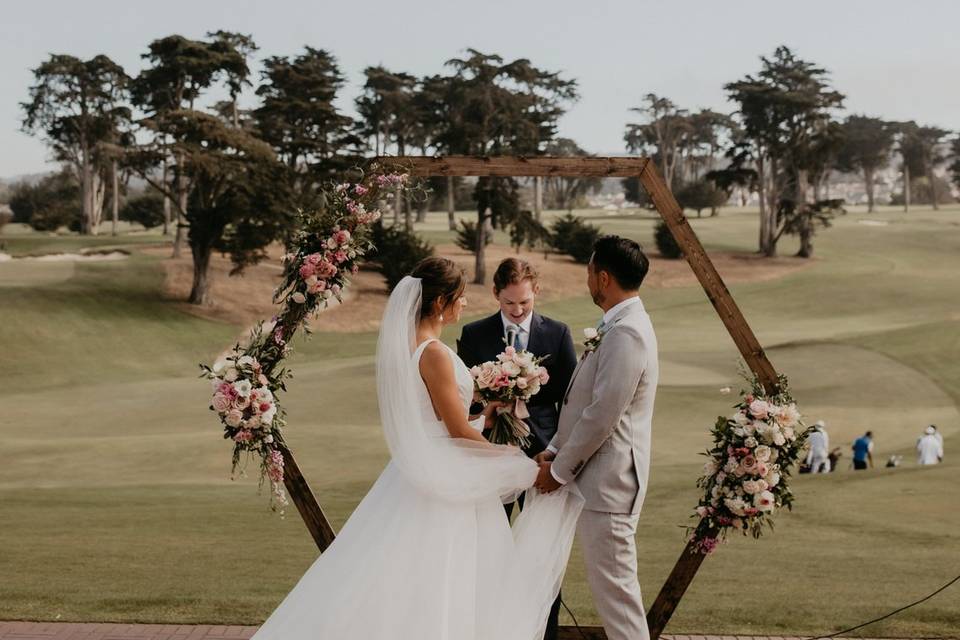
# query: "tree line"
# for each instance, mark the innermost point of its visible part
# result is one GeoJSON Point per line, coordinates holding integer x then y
{"type": "Point", "coordinates": [226, 177]}
{"type": "Point", "coordinates": [781, 143]}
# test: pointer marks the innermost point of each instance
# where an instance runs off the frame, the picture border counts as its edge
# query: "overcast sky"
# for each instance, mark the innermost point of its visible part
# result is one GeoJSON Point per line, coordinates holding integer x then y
{"type": "Point", "coordinates": [893, 59]}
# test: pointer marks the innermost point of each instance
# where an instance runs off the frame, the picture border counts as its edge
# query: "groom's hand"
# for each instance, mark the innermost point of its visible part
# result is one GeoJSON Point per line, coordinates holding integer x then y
{"type": "Point", "coordinates": [544, 456]}
{"type": "Point", "coordinates": [546, 483]}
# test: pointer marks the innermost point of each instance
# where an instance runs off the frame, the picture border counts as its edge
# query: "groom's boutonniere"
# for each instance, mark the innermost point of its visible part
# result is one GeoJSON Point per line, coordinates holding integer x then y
{"type": "Point", "coordinates": [591, 340]}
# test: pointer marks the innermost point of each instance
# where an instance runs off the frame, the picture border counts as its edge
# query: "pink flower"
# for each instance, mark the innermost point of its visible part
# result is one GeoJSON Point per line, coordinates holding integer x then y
{"type": "Point", "coordinates": [359, 189]}
{"type": "Point", "coordinates": [509, 351]}
{"type": "Point", "coordinates": [278, 336]}
{"type": "Point", "coordinates": [307, 269]}
{"type": "Point", "coordinates": [354, 269]}
{"type": "Point", "coordinates": [262, 379]}
{"type": "Point", "coordinates": [342, 237]}
{"type": "Point", "coordinates": [221, 403]}
{"type": "Point", "coordinates": [233, 418]}
{"type": "Point", "coordinates": [315, 258]}
{"type": "Point", "coordinates": [749, 464]}
{"type": "Point", "coordinates": [243, 436]}
{"type": "Point", "coordinates": [317, 286]}
{"type": "Point", "coordinates": [501, 381]}
{"type": "Point", "coordinates": [759, 409]}
{"type": "Point", "coordinates": [241, 403]}
{"type": "Point", "coordinates": [544, 375]}
{"type": "Point", "coordinates": [335, 288]}
{"type": "Point", "coordinates": [340, 255]}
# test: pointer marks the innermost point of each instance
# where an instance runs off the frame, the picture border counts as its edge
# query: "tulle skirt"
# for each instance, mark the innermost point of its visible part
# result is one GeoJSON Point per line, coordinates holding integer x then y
{"type": "Point", "coordinates": [409, 566]}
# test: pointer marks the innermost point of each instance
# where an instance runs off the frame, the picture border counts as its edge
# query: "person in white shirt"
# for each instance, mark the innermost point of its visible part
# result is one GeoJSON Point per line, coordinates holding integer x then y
{"type": "Point", "coordinates": [929, 448]}
{"type": "Point", "coordinates": [818, 457]}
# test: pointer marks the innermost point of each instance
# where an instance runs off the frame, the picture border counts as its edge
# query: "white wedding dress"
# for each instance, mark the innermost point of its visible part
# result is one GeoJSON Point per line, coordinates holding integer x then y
{"type": "Point", "coordinates": [429, 554]}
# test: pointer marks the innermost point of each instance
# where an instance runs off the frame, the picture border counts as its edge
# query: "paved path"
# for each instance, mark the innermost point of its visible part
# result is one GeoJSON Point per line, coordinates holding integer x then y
{"type": "Point", "coordinates": [104, 631]}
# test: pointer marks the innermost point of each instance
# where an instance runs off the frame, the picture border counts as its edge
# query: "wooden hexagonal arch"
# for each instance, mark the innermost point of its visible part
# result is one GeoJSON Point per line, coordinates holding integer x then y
{"type": "Point", "coordinates": [672, 214]}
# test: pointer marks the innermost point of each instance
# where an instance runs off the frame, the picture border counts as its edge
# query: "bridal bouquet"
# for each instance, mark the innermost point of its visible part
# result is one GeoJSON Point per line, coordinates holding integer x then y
{"type": "Point", "coordinates": [327, 248]}
{"type": "Point", "coordinates": [513, 378]}
{"type": "Point", "coordinates": [745, 478]}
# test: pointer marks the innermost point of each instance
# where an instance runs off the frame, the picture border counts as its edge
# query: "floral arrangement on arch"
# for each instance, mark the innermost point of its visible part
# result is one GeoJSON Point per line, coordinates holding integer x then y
{"type": "Point", "coordinates": [325, 251]}
{"type": "Point", "coordinates": [746, 478]}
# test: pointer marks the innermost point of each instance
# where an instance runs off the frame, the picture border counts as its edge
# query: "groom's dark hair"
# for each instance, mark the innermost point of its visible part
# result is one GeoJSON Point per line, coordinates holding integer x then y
{"type": "Point", "coordinates": [623, 259]}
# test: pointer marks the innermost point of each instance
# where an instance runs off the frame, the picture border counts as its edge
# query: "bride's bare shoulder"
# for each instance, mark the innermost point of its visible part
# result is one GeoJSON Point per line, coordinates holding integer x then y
{"type": "Point", "coordinates": [435, 361]}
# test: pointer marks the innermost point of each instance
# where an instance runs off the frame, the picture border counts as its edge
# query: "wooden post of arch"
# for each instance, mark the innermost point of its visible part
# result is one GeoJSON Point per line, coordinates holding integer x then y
{"type": "Point", "coordinates": [672, 214]}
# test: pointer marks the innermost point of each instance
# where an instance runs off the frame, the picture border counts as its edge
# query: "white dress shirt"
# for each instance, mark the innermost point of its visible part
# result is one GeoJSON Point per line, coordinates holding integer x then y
{"type": "Point", "coordinates": [524, 333]}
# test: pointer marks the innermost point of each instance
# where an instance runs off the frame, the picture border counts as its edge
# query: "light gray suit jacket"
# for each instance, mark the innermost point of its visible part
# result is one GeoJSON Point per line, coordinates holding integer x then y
{"type": "Point", "coordinates": [603, 438]}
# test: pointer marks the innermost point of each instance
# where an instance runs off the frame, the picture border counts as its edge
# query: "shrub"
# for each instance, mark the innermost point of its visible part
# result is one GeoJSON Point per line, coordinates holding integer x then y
{"type": "Point", "coordinates": [397, 251]}
{"type": "Point", "coordinates": [51, 203]}
{"type": "Point", "coordinates": [146, 210]}
{"type": "Point", "coordinates": [574, 237]}
{"type": "Point", "coordinates": [666, 243]}
{"type": "Point", "coordinates": [701, 195]}
{"type": "Point", "coordinates": [467, 236]}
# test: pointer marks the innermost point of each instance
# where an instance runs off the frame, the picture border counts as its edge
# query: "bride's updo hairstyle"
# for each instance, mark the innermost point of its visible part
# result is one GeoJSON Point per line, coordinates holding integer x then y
{"type": "Point", "coordinates": [441, 280]}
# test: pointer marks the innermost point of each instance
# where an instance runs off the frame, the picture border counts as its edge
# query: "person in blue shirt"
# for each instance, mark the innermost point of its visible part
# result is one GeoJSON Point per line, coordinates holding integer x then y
{"type": "Point", "coordinates": [863, 451]}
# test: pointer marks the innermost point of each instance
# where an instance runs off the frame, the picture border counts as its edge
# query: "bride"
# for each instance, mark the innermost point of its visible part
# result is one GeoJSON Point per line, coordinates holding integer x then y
{"type": "Point", "coordinates": [428, 553]}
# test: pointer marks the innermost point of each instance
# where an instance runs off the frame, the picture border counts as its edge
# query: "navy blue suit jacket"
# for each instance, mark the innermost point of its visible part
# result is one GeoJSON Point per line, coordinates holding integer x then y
{"type": "Point", "coordinates": [482, 340]}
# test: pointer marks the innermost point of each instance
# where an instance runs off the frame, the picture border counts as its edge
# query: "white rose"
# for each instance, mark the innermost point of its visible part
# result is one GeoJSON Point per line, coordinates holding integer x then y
{"type": "Point", "coordinates": [709, 468]}
{"type": "Point", "coordinates": [759, 409]}
{"type": "Point", "coordinates": [245, 361]}
{"type": "Point", "coordinates": [736, 505]}
{"type": "Point", "coordinates": [218, 367]}
{"type": "Point", "coordinates": [266, 418]}
{"type": "Point", "coordinates": [779, 439]}
{"type": "Point", "coordinates": [230, 375]}
{"type": "Point", "coordinates": [589, 333]}
{"type": "Point", "coordinates": [751, 487]}
{"type": "Point", "coordinates": [762, 485]}
{"type": "Point", "coordinates": [762, 453]}
{"type": "Point", "coordinates": [739, 432]}
{"type": "Point", "coordinates": [268, 439]}
{"type": "Point", "coordinates": [233, 418]}
{"type": "Point", "coordinates": [534, 387]}
{"type": "Point", "coordinates": [772, 478]}
{"type": "Point", "coordinates": [521, 383]}
{"type": "Point", "coordinates": [510, 368]}
{"type": "Point", "coordinates": [298, 297]}
{"type": "Point", "coordinates": [741, 418]}
{"type": "Point", "coordinates": [789, 433]}
{"type": "Point", "coordinates": [750, 443]}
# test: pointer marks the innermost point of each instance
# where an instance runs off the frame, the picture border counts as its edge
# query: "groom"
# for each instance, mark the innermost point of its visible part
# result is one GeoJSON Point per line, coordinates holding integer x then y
{"type": "Point", "coordinates": [603, 439]}
{"type": "Point", "coordinates": [515, 286]}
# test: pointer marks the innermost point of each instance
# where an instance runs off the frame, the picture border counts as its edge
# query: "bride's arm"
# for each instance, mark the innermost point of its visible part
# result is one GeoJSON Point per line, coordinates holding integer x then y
{"type": "Point", "coordinates": [436, 368]}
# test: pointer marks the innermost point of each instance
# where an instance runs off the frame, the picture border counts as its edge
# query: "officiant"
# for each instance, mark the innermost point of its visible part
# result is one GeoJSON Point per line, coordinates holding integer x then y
{"type": "Point", "coordinates": [515, 286]}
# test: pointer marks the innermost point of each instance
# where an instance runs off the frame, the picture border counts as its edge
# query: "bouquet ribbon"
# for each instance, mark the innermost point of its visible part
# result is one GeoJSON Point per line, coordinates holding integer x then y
{"type": "Point", "coordinates": [520, 409]}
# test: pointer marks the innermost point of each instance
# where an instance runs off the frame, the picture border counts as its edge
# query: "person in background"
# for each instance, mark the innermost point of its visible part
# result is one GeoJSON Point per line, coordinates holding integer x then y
{"type": "Point", "coordinates": [863, 451]}
{"type": "Point", "coordinates": [834, 458]}
{"type": "Point", "coordinates": [818, 457]}
{"type": "Point", "coordinates": [937, 434]}
{"type": "Point", "coordinates": [929, 448]}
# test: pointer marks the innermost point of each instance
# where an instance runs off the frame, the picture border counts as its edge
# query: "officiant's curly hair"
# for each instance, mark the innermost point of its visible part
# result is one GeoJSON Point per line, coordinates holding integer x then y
{"type": "Point", "coordinates": [441, 280]}
{"type": "Point", "coordinates": [514, 271]}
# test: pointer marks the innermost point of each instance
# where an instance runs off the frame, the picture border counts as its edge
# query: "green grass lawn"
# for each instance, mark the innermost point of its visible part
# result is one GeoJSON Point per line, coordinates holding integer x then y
{"type": "Point", "coordinates": [116, 502]}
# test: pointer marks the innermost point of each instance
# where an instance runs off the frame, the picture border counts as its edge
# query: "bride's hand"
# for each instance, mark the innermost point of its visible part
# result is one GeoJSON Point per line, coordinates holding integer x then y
{"type": "Point", "coordinates": [490, 411]}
